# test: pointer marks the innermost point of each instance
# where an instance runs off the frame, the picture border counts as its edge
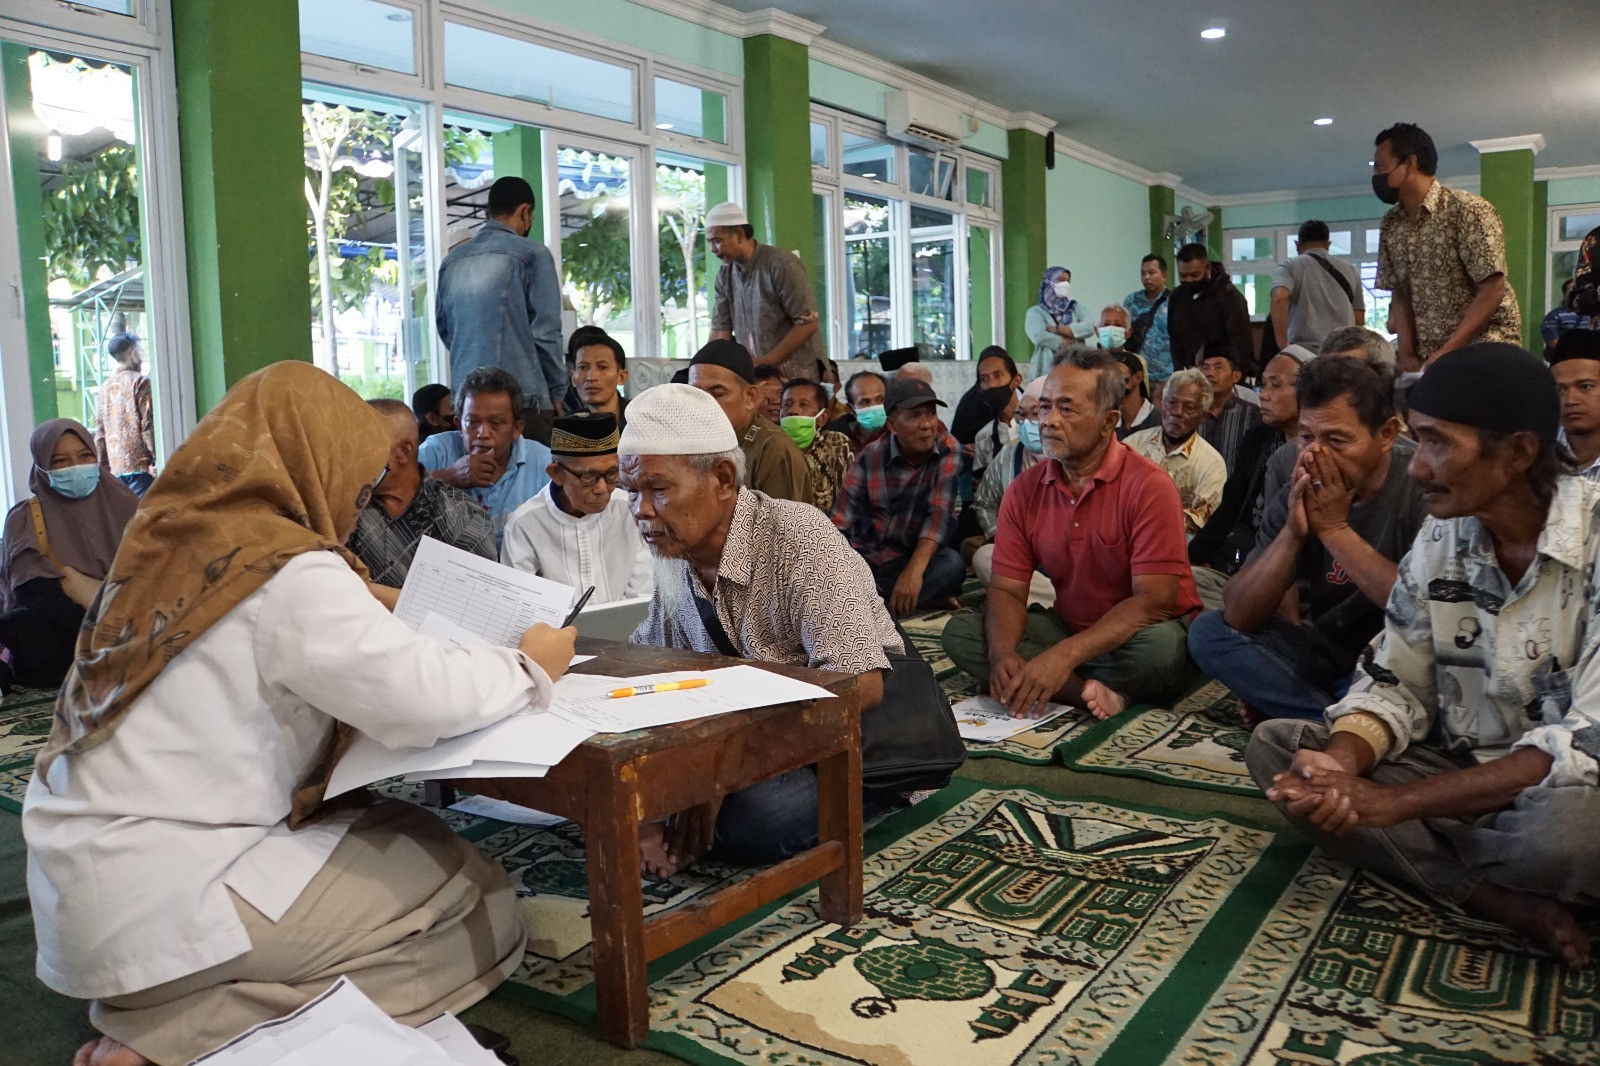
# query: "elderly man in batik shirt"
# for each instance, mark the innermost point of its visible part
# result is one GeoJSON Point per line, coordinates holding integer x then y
{"type": "Point", "coordinates": [742, 573]}
{"type": "Point", "coordinates": [1463, 758]}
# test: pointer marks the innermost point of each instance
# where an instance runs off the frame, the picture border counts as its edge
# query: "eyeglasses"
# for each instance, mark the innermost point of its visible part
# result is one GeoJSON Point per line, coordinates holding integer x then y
{"type": "Point", "coordinates": [589, 479]}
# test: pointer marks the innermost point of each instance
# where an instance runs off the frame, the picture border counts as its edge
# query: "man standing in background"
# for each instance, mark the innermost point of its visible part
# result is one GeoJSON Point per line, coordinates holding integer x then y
{"type": "Point", "coordinates": [125, 426]}
{"type": "Point", "coordinates": [1208, 312]}
{"type": "Point", "coordinates": [764, 299]}
{"type": "Point", "coordinates": [1147, 332]}
{"type": "Point", "coordinates": [499, 304]}
{"type": "Point", "coordinates": [1314, 294]}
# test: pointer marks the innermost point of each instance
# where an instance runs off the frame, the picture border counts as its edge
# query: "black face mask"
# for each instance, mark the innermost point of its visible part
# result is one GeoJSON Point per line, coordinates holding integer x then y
{"type": "Point", "coordinates": [1189, 288]}
{"type": "Point", "coordinates": [1383, 191]}
{"type": "Point", "coordinates": [995, 399]}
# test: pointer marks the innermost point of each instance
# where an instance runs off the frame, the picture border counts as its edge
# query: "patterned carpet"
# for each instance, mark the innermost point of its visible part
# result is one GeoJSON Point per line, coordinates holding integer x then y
{"type": "Point", "coordinates": [1011, 927]}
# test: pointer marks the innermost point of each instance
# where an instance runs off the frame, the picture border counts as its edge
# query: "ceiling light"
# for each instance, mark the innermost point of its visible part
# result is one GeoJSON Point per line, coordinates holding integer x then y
{"type": "Point", "coordinates": [1213, 33]}
{"type": "Point", "coordinates": [663, 125]}
{"type": "Point", "coordinates": [1322, 122]}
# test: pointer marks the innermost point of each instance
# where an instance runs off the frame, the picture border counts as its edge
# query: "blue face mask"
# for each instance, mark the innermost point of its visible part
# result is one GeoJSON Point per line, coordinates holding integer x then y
{"type": "Point", "coordinates": [75, 482]}
{"type": "Point", "coordinates": [1028, 433]}
{"type": "Point", "coordinates": [872, 418]}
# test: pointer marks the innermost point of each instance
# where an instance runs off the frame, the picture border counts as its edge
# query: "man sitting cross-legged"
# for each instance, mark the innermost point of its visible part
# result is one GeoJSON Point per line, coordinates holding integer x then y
{"type": "Point", "coordinates": [1105, 524]}
{"type": "Point", "coordinates": [1311, 595]}
{"type": "Point", "coordinates": [1463, 758]}
{"type": "Point", "coordinates": [774, 576]}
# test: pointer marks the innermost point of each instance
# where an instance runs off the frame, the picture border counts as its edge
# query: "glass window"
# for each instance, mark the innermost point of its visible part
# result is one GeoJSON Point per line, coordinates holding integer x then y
{"type": "Point", "coordinates": [980, 187]}
{"type": "Point", "coordinates": [116, 7]}
{"type": "Point", "coordinates": [522, 70]}
{"type": "Point", "coordinates": [684, 186]}
{"type": "Point", "coordinates": [596, 242]}
{"type": "Point", "coordinates": [869, 238]}
{"type": "Point", "coordinates": [931, 175]}
{"type": "Point", "coordinates": [75, 143]}
{"type": "Point", "coordinates": [1377, 300]}
{"type": "Point", "coordinates": [1374, 237]}
{"type": "Point", "coordinates": [691, 110]}
{"type": "Point", "coordinates": [867, 157]}
{"type": "Point", "coordinates": [821, 223]}
{"type": "Point", "coordinates": [933, 282]}
{"type": "Point", "coordinates": [819, 144]}
{"type": "Point", "coordinates": [980, 288]}
{"type": "Point", "coordinates": [366, 223]}
{"type": "Point", "coordinates": [1339, 242]}
{"type": "Point", "coordinates": [1244, 249]}
{"type": "Point", "coordinates": [1577, 227]}
{"type": "Point", "coordinates": [360, 31]}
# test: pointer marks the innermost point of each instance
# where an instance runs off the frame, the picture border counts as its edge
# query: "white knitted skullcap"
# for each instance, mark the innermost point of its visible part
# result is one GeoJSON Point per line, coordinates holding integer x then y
{"type": "Point", "coordinates": [727, 214]}
{"type": "Point", "coordinates": [676, 420]}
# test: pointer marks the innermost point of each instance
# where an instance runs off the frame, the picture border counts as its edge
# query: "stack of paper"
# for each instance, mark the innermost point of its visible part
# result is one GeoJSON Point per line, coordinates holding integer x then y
{"type": "Point", "coordinates": [342, 1027]}
{"type": "Point", "coordinates": [985, 719]}
{"type": "Point", "coordinates": [582, 698]}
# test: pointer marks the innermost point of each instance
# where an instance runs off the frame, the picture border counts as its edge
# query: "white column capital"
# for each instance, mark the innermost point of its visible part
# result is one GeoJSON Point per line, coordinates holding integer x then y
{"type": "Point", "coordinates": [1533, 142]}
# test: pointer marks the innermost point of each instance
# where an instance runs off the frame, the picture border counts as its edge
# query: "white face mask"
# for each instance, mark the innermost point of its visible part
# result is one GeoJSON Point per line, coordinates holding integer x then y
{"type": "Point", "coordinates": [1063, 289]}
{"type": "Point", "coordinates": [827, 388]}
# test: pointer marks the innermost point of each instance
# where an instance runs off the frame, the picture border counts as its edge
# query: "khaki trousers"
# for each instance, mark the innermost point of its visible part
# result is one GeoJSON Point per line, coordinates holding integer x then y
{"type": "Point", "coordinates": [417, 917]}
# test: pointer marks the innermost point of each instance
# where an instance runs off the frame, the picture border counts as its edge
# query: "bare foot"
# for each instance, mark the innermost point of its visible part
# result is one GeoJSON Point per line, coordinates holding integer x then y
{"type": "Point", "coordinates": [653, 856]}
{"type": "Point", "coordinates": [107, 1052]}
{"type": "Point", "coordinates": [1249, 717]}
{"type": "Point", "coordinates": [1102, 702]}
{"type": "Point", "coordinates": [1547, 922]}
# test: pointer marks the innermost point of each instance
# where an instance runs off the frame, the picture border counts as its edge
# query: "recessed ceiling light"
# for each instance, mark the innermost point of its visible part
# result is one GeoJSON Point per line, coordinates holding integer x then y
{"type": "Point", "coordinates": [1322, 122]}
{"type": "Point", "coordinates": [663, 125]}
{"type": "Point", "coordinates": [1214, 33]}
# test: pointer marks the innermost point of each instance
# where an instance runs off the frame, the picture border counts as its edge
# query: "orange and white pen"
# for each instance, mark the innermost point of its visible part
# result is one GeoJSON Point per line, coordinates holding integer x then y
{"type": "Point", "coordinates": [665, 686]}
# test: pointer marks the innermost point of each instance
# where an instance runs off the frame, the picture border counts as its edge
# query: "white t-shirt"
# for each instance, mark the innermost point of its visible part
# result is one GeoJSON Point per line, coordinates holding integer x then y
{"type": "Point", "coordinates": [134, 843]}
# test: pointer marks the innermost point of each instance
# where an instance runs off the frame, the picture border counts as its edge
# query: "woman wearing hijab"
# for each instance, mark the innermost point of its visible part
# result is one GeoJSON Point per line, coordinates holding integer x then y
{"type": "Point", "coordinates": [184, 874]}
{"type": "Point", "coordinates": [1050, 322]}
{"type": "Point", "coordinates": [57, 549]}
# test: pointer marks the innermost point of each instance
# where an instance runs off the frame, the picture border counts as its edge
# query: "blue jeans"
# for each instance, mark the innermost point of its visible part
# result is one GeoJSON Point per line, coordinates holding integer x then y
{"type": "Point", "coordinates": [140, 483]}
{"type": "Point", "coordinates": [942, 579]}
{"type": "Point", "coordinates": [1281, 670]}
{"type": "Point", "coordinates": [777, 818]}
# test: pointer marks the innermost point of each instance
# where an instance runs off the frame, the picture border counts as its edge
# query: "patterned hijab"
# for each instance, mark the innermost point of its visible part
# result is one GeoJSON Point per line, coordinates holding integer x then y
{"type": "Point", "coordinates": [83, 534]}
{"type": "Point", "coordinates": [281, 466]}
{"type": "Point", "coordinates": [1061, 310]}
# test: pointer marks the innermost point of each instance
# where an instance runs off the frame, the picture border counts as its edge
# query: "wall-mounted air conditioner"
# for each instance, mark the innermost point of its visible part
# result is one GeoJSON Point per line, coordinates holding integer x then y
{"type": "Point", "coordinates": [922, 120]}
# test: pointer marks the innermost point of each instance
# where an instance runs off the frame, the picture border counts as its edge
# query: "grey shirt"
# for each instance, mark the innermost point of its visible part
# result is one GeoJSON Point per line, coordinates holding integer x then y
{"type": "Point", "coordinates": [1389, 521]}
{"type": "Point", "coordinates": [760, 301]}
{"type": "Point", "coordinates": [1317, 305]}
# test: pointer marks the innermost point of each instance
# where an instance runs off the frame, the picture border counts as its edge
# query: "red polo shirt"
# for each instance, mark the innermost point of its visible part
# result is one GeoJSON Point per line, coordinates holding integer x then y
{"type": "Point", "coordinates": [1127, 523]}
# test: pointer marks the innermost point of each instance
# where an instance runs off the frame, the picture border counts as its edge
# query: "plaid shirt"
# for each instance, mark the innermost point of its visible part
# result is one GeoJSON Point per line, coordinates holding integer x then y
{"type": "Point", "coordinates": [887, 504]}
{"type": "Point", "coordinates": [387, 545]}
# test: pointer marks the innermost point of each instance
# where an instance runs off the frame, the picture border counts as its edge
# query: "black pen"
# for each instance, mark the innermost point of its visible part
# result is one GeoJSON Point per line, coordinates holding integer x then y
{"type": "Point", "coordinates": [578, 607]}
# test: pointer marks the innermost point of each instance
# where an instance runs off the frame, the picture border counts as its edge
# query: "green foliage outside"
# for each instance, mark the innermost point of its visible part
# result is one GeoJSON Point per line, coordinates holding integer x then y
{"type": "Point", "coordinates": [91, 219]}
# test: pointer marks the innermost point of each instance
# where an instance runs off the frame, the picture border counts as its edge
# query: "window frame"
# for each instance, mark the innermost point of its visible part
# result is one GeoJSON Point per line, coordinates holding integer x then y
{"type": "Point", "coordinates": [1555, 245]}
{"type": "Point", "coordinates": [1280, 236]}
{"type": "Point", "coordinates": [327, 69]}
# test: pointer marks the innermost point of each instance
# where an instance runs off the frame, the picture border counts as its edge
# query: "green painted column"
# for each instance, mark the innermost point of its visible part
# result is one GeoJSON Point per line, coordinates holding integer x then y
{"type": "Point", "coordinates": [1163, 202]}
{"type": "Point", "coordinates": [27, 135]}
{"type": "Point", "coordinates": [777, 145]}
{"type": "Point", "coordinates": [1214, 235]}
{"type": "Point", "coordinates": [518, 152]}
{"type": "Point", "coordinates": [1506, 181]}
{"type": "Point", "coordinates": [244, 208]}
{"type": "Point", "coordinates": [1022, 189]}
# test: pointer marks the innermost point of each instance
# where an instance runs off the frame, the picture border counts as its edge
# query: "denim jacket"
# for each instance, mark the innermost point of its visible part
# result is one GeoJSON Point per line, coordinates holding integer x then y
{"type": "Point", "coordinates": [499, 304]}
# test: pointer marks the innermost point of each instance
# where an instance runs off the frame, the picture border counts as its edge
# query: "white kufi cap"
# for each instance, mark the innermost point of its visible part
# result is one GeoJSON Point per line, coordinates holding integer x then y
{"type": "Point", "coordinates": [676, 420]}
{"type": "Point", "coordinates": [727, 214]}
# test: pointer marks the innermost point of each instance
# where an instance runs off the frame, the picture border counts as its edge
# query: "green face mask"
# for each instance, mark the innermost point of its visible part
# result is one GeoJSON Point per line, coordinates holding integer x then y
{"type": "Point", "coordinates": [802, 429]}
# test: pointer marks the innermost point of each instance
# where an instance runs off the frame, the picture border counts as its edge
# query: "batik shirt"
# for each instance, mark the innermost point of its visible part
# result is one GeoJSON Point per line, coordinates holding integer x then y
{"type": "Point", "coordinates": [125, 425]}
{"type": "Point", "coordinates": [1194, 466]}
{"type": "Point", "coordinates": [1473, 664]}
{"type": "Point", "coordinates": [789, 590]}
{"type": "Point", "coordinates": [1438, 257]}
{"type": "Point", "coordinates": [828, 460]}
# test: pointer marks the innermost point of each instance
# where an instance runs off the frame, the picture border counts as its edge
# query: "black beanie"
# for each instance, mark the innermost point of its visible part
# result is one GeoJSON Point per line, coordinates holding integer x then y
{"type": "Point", "coordinates": [1498, 387]}
{"type": "Point", "coordinates": [730, 355]}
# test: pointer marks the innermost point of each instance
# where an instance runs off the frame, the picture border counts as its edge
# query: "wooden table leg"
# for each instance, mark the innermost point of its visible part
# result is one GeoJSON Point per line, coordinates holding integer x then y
{"type": "Point", "coordinates": [839, 818]}
{"type": "Point", "coordinates": [616, 909]}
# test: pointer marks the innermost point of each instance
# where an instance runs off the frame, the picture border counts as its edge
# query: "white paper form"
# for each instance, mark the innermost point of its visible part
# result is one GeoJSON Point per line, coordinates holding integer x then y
{"type": "Point", "coordinates": [983, 718]}
{"type": "Point", "coordinates": [341, 1027]}
{"type": "Point", "coordinates": [496, 602]}
{"type": "Point", "coordinates": [583, 700]}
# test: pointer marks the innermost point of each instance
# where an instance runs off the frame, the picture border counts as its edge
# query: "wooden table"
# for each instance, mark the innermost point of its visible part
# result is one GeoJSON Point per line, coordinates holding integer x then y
{"type": "Point", "coordinates": [614, 781]}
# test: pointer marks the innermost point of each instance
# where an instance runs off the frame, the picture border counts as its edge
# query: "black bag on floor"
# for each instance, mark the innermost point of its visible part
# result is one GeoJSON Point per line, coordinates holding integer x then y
{"type": "Point", "coordinates": [909, 741]}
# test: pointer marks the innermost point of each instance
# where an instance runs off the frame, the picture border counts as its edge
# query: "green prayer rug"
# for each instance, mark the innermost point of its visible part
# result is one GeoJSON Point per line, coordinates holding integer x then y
{"type": "Point", "coordinates": [25, 716]}
{"type": "Point", "coordinates": [1198, 742]}
{"type": "Point", "coordinates": [1349, 968]}
{"type": "Point", "coordinates": [1001, 926]}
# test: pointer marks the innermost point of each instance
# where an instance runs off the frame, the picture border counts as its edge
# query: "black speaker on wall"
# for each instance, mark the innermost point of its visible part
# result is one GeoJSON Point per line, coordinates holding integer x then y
{"type": "Point", "coordinates": [1050, 150]}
